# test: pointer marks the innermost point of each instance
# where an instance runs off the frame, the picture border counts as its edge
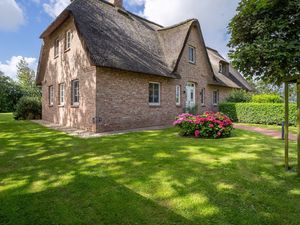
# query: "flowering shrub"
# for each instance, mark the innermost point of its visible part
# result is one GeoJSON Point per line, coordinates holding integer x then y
{"type": "Point", "coordinates": [208, 125]}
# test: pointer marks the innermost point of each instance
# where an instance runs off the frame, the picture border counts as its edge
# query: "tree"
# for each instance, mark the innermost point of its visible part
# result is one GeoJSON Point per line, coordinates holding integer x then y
{"type": "Point", "coordinates": [26, 79]}
{"type": "Point", "coordinates": [10, 93]}
{"type": "Point", "coordinates": [265, 38]}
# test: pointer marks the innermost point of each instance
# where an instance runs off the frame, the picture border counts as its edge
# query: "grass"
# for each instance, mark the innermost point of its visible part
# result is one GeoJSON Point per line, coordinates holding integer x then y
{"type": "Point", "coordinates": [292, 129]}
{"type": "Point", "coordinates": [153, 177]}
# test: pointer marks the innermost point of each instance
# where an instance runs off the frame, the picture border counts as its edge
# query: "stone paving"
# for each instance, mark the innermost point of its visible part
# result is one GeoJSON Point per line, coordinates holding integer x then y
{"type": "Point", "coordinates": [87, 134]}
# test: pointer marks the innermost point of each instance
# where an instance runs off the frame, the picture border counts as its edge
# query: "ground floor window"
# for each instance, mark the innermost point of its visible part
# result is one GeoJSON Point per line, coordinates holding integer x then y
{"type": "Point", "coordinates": [75, 92]}
{"type": "Point", "coordinates": [215, 97]}
{"type": "Point", "coordinates": [202, 94]}
{"type": "Point", "coordinates": [51, 95]}
{"type": "Point", "coordinates": [61, 93]}
{"type": "Point", "coordinates": [177, 94]}
{"type": "Point", "coordinates": [154, 93]}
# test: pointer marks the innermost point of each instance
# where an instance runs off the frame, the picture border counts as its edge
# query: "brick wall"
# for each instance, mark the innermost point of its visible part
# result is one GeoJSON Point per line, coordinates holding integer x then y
{"type": "Point", "coordinates": [119, 99]}
{"type": "Point", "coordinates": [122, 97]}
{"type": "Point", "coordinates": [69, 65]}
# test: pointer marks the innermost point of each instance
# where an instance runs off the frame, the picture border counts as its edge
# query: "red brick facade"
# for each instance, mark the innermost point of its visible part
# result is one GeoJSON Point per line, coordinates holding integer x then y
{"type": "Point", "coordinates": [112, 99]}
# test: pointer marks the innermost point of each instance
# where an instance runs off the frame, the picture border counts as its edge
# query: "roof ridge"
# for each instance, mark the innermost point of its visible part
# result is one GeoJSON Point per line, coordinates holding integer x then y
{"type": "Point", "coordinates": [212, 49]}
{"type": "Point", "coordinates": [142, 18]}
{"type": "Point", "coordinates": [178, 24]}
{"type": "Point", "coordinates": [132, 14]}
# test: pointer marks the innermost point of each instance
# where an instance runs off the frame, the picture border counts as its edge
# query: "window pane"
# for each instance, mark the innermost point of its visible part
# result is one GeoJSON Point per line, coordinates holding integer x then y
{"type": "Point", "coordinates": [75, 91]}
{"type": "Point", "coordinates": [191, 54]}
{"type": "Point", "coordinates": [153, 93]}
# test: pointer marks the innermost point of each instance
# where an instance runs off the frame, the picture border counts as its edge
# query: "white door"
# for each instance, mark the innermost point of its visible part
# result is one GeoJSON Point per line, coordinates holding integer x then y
{"type": "Point", "coordinates": [190, 95]}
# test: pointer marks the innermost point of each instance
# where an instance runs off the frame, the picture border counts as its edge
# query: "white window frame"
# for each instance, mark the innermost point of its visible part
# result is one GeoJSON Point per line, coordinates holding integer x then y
{"type": "Point", "coordinates": [68, 38]}
{"type": "Point", "coordinates": [61, 94]}
{"type": "Point", "coordinates": [56, 48]}
{"type": "Point", "coordinates": [74, 92]}
{"type": "Point", "coordinates": [154, 103]}
{"type": "Point", "coordinates": [192, 54]}
{"type": "Point", "coordinates": [202, 96]}
{"type": "Point", "coordinates": [215, 103]}
{"type": "Point", "coordinates": [51, 95]}
{"type": "Point", "coordinates": [178, 95]}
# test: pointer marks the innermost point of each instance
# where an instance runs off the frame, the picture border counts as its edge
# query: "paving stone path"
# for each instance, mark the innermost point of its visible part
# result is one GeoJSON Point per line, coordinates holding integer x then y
{"type": "Point", "coordinates": [268, 132]}
{"type": "Point", "coordinates": [86, 134]}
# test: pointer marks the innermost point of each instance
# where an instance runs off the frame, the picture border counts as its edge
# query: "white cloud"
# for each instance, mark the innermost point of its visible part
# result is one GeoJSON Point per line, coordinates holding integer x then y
{"type": "Point", "coordinates": [9, 68]}
{"type": "Point", "coordinates": [55, 7]}
{"type": "Point", "coordinates": [11, 15]}
{"type": "Point", "coordinates": [213, 15]}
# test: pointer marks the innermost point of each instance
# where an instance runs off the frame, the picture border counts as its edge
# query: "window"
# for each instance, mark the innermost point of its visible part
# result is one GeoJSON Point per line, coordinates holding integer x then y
{"type": "Point", "coordinates": [192, 55]}
{"type": "Point", "coordinates": [75, 92]}
{"type": "Point", "coordinates": [68, 40]}
{"type": "Point", "coordinates": [177, 94]}
{"type": "Point", "coordinates": [61, 94]}
{"type": "Point", "coordinates": [215, 98]}
{"type": "Point", "coordinates": [51, 95]}
{"type": "Point", "coordinates": [202, 93]}
{"type": "Point", "coordinates": [56, 48]}
{"type": "Point", "coordinates": [154, 93]}
{"type": "Point", "coordinates": [220, 67]}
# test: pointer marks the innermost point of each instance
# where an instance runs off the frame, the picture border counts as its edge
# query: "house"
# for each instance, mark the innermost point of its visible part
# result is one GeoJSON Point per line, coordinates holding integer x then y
{"type": "Point", "coordinates": [103, 68]}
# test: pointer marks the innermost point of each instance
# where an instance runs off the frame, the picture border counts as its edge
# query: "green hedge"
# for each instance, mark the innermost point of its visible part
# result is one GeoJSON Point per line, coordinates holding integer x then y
{"type": "Point", "coordinates": [259, 113]}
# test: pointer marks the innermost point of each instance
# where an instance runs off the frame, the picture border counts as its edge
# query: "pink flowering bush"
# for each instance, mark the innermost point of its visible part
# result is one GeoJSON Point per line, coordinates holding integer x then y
{"type": "Point", "coordinates": [208, 125]}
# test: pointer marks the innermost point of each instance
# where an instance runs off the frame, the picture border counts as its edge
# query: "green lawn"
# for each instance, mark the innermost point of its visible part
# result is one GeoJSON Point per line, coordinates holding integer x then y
{"type": "Point", "coordinates": [153, 177]}
{"type": "Point", "coordinates": [292, 129]}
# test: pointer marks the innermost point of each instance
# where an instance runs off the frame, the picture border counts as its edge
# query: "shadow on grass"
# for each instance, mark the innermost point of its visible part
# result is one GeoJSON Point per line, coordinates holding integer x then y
{"type": "Point", "coordinates": [143, 178]}
{"type": "Point", "coordinates": [85, 200]}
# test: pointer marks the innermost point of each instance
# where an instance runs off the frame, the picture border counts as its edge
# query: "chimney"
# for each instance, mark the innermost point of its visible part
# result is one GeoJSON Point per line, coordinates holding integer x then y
{"type": "Point", "coordinates": [117, 3]}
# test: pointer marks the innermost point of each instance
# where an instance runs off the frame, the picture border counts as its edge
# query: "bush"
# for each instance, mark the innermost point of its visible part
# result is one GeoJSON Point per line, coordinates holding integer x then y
{"type": "Point", "coordinates": [239, 96]}
{"type": "Point", "coordinates": [259, 113]}
{"type": "Point", "coordinates": [28, 108]}
{"type": "Point", "coordinates": [267, 98]}
{"type": "Point", "coordinates": [10, 93]}
{"type": "Point", "coordinates": [208, 125]}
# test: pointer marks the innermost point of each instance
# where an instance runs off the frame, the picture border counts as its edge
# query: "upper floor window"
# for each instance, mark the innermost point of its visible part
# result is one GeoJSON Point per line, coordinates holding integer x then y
{"type": "Point", "coordinates": [215, 97]}
{"type": "Point", "coordinates": [192, 54]}
{"type": "Point", "coordinates": [56, 47]}
{"type": "Point", "coordinates": [51, 95]}
{"type": "Point", "coordinates": [154, 93]}
{"type": "Point", "coordinates": [221, 67]}
{"type": "Point", "coordinates": [61, 94]}
{"type": "Point", "coordinates": [68, 40]}
{"type": "Point", "coordinates": [75, 92]}
{"type": "Point", "coordinates": [177, 94]}
{"type": "Point", "coordinates": [202, 93]}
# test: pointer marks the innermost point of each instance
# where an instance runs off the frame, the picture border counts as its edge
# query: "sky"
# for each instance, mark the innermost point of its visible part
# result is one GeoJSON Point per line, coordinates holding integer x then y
{"type": "Point", "coordinates": [22, 22]}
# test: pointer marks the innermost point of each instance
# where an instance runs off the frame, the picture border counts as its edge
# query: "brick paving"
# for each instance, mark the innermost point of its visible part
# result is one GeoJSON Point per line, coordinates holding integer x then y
{"type": "Point", "coordinates": [268, 132]}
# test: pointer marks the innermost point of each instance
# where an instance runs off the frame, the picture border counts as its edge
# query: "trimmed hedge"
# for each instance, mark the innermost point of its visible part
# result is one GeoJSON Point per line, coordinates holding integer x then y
{"type": "Point", "coordinates": [259, 113]}
{"type": "Point", "coordinates": [267, 98]}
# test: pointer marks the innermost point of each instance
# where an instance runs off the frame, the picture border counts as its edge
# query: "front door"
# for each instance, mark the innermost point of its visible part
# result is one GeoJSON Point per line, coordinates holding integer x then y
{"type": "Point", "coordinates": [190, 95]}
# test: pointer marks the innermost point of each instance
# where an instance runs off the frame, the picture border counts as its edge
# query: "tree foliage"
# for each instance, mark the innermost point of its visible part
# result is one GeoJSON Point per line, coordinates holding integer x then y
{"type": "Point", "coordinates": [26, 79]}
{"type": "Point", "coordinates": [265, 38]}
{"type": "Point", "coordinates": [239, 96]}
{"type": "Point", "coordinates": [10, 93]}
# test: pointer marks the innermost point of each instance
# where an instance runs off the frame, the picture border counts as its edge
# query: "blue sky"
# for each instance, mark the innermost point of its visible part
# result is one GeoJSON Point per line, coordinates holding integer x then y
{"type": "Point", "coordinates": [22, 21]}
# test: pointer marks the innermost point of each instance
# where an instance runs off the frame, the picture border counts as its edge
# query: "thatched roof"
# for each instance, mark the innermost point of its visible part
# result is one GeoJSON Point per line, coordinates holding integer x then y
{"type": "Point", "coordinates": [116, 38]}
{"type": "Point", "coordinates": [233, 79]}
